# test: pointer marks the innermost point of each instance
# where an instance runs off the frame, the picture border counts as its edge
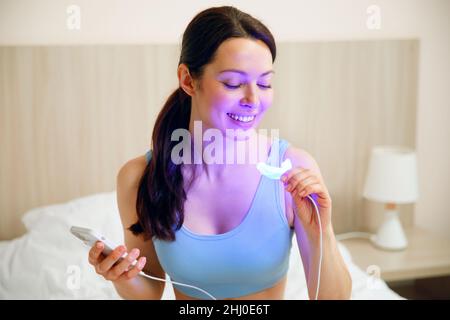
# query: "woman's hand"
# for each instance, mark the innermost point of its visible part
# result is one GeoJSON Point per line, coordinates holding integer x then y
{"type": "Point", "coordinates": [301, 182]}
{"type": "Point", "coordinates": [109, 266]}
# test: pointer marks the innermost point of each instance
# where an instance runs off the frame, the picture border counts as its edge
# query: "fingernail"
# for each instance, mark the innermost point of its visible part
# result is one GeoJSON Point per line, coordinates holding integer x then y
{"type": "Point", "coordinates": [132, 256]}
{"type": "Point", "coordinates": [98, 245]}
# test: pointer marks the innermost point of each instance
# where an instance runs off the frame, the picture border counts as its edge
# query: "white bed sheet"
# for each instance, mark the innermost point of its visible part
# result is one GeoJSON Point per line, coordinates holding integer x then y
{"type": "Point", "coordinates": [49, 263]}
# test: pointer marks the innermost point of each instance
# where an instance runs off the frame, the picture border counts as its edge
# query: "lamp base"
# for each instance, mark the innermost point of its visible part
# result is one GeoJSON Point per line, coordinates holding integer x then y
{"type": "Point", "coordinates": [390, 235]}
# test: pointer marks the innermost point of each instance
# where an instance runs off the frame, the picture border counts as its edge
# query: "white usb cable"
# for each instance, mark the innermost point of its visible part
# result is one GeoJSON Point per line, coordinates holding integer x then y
{"type": "Point", "coordinates": [178, 283]}
{"type": "Point", "coordinates": [320, 246]}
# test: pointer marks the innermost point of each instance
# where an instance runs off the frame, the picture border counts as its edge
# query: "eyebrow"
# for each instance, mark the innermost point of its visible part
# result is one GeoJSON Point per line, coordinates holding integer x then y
{"type": "Point", "coordinates": [245, 73]}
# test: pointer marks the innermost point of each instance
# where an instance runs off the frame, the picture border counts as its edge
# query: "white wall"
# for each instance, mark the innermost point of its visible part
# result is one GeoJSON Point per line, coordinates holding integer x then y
{"type": "Point", "coordinates": [106, 21]}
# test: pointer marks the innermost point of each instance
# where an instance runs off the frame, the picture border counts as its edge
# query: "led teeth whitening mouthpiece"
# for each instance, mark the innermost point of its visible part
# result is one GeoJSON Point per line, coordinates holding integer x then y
{"type": "Point", "coordinates": [274, 173]}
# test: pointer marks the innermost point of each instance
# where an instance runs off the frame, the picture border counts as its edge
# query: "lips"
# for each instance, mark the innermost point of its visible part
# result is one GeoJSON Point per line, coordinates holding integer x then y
{"type": "Point", "coordinates": [241, 118]}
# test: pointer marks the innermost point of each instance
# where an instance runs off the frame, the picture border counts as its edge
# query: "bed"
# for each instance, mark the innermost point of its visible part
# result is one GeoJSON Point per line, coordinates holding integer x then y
{"type": "Point", "coordinates": [47, 262]}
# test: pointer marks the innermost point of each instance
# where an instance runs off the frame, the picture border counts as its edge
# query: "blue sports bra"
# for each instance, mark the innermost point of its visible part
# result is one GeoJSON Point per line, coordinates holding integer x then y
{"type": "Point", "coordinates": [251, 257]}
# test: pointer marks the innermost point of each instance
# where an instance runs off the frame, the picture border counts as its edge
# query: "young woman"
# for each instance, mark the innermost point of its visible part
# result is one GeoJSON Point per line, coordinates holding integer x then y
{"type": "Point", "coordinates": [221, 227]}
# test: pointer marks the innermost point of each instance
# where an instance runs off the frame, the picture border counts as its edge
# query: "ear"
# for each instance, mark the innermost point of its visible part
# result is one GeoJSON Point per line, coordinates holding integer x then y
{"type": "Point", "coordinates": [185, 80]}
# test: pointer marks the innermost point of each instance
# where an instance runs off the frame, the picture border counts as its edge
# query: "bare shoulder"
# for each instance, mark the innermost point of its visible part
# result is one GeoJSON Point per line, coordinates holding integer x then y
{"type": "Point", "coordinates": [302, 158]}
{"type": "Point", "coordinates": [128, 179]}
{"type": "Point", "coordinates": [131, 172]}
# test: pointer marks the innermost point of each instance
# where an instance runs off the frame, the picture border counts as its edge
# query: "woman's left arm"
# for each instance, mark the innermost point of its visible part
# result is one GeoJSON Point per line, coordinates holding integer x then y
{"type": "Point", "coordinates": [302, 180]}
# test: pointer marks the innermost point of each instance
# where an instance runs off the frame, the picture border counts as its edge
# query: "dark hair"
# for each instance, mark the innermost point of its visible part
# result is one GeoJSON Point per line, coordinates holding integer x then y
{"type": "Point", "coordinates": [161, 194]}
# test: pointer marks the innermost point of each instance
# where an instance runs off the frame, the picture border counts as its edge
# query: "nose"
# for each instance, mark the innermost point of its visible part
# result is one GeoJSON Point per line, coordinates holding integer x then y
{"type": "Point", "coordinates": [251, 98]}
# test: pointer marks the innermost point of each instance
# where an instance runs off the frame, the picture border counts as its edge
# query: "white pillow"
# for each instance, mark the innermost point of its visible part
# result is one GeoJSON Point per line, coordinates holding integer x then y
{"type": "Point", "coordinates": [98, 211]}
{"type": "Point", "coordinates": [46, 262]}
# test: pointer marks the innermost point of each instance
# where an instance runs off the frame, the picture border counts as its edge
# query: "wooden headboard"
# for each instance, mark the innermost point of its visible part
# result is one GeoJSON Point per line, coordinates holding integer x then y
{"type": "Point", "coordinates": [71, 116]}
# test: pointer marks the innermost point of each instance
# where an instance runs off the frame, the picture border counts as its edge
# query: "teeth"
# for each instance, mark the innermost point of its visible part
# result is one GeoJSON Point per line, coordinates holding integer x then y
{"type": "Point", "coordinates": [241, 118]}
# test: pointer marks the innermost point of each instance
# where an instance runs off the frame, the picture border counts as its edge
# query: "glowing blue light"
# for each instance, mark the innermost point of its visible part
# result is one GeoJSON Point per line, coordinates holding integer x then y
{"type": "Point", "coordinates": [272, 172]}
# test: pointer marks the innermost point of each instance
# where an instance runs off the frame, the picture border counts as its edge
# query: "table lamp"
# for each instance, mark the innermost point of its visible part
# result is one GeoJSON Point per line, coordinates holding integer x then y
{"type": "Point", "coordinates": [391, 179]}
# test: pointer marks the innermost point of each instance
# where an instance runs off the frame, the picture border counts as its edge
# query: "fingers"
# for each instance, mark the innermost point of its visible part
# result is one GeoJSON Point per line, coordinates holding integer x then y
{"type": "Point", "coordinates": [95, 253]}
{"type": "Point", "coordinates": [116, 271]}
{"type": "Point", "coordinates": [309, 189]}
{"type": "Point", "coordinates": [300, 180]}
{"type": "Point", "coordinates": [304, 186]}
{"type": "Point", "coordinates": [133, 272]}
{"type": "Point", "coordinates": [104, 266]}
{"type": "Point", "coordinates": [290, 173]}
{"type": "Point", "coordinates": [112, 267]}
{"type": "Point", "coordinates": [296, 174]}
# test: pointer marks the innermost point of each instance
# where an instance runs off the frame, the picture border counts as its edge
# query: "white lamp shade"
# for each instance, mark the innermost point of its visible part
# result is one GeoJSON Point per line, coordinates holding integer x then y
{"type": "Point", "coordinates": [392, 175]}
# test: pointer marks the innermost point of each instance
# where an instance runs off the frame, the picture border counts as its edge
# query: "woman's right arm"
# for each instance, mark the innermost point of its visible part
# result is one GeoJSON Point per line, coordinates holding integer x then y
{"type": "Point", "coordinates": [128, 284]}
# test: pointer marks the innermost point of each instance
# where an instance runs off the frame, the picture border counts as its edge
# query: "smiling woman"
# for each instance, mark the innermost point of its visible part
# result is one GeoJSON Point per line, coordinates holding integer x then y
{"type": "Point", "coordinates": [223, 228]}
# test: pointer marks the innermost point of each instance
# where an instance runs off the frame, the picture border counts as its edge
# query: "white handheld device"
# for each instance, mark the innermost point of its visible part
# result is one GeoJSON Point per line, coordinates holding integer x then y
{"type": "Point", "coordinates": [90, 237]}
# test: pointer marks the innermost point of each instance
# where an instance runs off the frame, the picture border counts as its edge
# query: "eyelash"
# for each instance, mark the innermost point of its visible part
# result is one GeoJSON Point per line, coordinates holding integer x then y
{"type": "Point", "coordinates": [237, 87]}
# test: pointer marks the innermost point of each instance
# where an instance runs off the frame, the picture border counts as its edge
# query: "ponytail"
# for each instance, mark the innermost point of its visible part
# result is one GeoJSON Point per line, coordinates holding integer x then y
{"type": "Point", "coordinates": [161, 195]}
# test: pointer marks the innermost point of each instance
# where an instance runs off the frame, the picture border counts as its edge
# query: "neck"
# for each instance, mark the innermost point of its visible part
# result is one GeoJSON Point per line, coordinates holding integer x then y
{"type": "Point", "coordinates": [217, 155]}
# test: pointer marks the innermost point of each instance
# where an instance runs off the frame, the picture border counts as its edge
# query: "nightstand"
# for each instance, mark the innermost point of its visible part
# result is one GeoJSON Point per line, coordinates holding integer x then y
{"type": "Point", "coordinates": [427, 257]}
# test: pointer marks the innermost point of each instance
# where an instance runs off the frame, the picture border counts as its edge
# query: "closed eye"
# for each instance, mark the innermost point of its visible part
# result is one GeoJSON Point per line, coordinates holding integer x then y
{"type": "Point", "coordinates": [239, 85]}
